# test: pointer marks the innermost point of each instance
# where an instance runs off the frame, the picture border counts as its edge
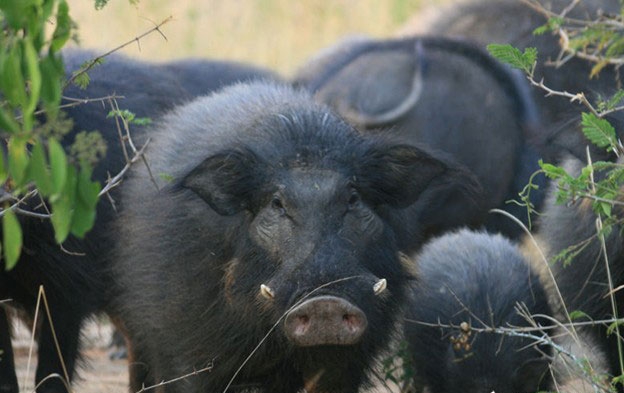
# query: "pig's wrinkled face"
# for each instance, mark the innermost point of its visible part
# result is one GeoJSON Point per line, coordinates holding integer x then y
{"type": "Point", "coordinates": [309, 208]}
{"type": "Point", "coordinates": [322, 238]}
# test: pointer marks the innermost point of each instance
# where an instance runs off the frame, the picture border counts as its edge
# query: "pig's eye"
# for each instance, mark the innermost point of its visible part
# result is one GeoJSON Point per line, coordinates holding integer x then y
{"type": "Point", "coordinates": [276, 203]}
{"type": "Point", "coordinates": [354, 200]}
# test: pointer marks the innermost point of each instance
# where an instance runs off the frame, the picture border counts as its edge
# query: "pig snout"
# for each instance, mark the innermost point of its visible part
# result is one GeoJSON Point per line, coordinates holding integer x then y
{"type": "Point", "coordinates": [325, 320]}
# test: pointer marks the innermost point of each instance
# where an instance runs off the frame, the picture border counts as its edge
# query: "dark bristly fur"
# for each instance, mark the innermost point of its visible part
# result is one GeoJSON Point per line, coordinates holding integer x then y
{"type": "Point", "coordinates": [268, 188]}
{"type": "Point", "coordinates": [479, 279]}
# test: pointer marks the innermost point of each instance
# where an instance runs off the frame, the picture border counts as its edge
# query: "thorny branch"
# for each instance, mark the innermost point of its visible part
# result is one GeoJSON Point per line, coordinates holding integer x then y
{"type": "Point", "coordinates": [613, 22]}
{"type": "Point", "coordinates": [539, 335]}
{"type": "Point", "coordinates": [567, 52]}
{"type": "Point", "coordinates": [113, 182]}
{"type": "Point", "coordinates": [97, 59]}
{"type": "Point", "coordinates": [6, 196]}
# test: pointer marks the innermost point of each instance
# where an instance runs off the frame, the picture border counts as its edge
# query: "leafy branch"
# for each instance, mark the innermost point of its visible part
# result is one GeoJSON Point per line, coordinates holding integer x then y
{"type": "Point", "coordinates": [599, 41]}
{"type": "Point", "coordinates": [33, 161]}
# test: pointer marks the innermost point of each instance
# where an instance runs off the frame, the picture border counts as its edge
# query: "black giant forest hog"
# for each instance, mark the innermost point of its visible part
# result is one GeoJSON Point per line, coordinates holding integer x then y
{"type": "Point", "coordinates": [470, 281]}
{"type": "Point", "coordinates": [274, 246]}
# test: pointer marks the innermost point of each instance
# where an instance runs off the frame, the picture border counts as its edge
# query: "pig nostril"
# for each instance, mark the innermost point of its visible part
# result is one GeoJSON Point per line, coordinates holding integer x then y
{"type": "Point", "coordinates": [303, 323]}
{"type": "Point", "coordinates": [351, 321]}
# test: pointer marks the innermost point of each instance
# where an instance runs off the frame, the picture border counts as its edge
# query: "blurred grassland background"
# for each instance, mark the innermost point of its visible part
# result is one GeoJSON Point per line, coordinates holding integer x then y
{"type": "Point", "coordinates": [279, 34]}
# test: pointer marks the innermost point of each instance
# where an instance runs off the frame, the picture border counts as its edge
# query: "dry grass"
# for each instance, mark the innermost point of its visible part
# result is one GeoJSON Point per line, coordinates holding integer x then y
{"type": "Point", "coordinates": [279, 34]}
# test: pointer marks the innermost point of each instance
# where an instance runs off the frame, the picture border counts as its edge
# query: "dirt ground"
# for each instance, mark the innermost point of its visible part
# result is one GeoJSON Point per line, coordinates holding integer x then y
{"type": "Point", "coordinates": [100, 375]}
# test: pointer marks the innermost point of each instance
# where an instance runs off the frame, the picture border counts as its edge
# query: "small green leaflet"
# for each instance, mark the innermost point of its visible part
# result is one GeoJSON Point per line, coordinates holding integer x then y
{"type": "Point", "coordinates": [11, 239]}
{"type": "Point", "coordinates": [512, 56]}
{"type": "Point", "coordinates": [599, 131]}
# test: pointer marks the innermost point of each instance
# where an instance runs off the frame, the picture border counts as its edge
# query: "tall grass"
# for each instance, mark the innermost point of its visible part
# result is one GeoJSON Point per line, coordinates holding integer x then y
{"type": "Point", "coordinates": [279, 34]}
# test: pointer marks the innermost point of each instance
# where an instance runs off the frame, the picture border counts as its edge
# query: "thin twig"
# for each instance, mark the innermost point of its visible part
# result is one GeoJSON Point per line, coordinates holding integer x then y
{"type": "Point", "coordinates": [115, 181]}
{"type": "Point", "coordinates": [15, 206]}
{"type": "Point", "coordinates": [42, 297]}
{"type": "Point", "coordinates": [97, 59]}
{"type": "Point", "coordinates": [168, 382]}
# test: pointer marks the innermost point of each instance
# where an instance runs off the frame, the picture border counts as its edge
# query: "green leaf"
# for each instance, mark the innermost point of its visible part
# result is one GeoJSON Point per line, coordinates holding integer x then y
{"type": "Point", "coordinates": [88, 148]}
{"type": "Point", "coordinates": [553, 171]}
{"type": "Point", "coordinates": [616, 48]}
{"type": "Point", "coordinates": [82, 80]}
{"type": "Point", "coordinates": [615, 99]}
{"type": "Point", "coordinates": [597, 68]}
{"type": "Point", "coordinates": [47, 7]}
{"type": "Point", "coordinates": [566, 256]}
{"type": "Point", "coordinates": [11, 239]}
{"type": "Point", "coordinates": [166, 177]}
{"type": "Point", "coordinates": [34, 76]}
{"type": "Point", "coordinates": [605, 208]}
{"type": "Point", "coordinates": [574, 315]}
{"type": "Point", "coordinates": [52, 75]}
{"type": "Point", "coordinates": [58, 165]}
{"type": "Point", "coordinates": [63, 207]}
{"type": "Point", "coordinates": [551, 25]}
{"type": "Point", "coordinates": [99, 4]}
{"type": "Point", "coordinates": [512, 56]}
{"type": "Point", "coordinates": [8, 123]}
{"type": "Point", "coordinates": [613, 326]}
{"type": "Point", "coordinates": [18, 160]}
{"type": "Point", "coordinates": [62, 33]}
{"type": "Point", "coordinates": [38, 170]}
{"type": "Point", "coordinates": [12, 79]}
{"type": "Point", "coordinates": [86, 201]}
{"type": "Point", "coordinates": [599, 131]}
{"type": "Point", "coordinates": [15, 12]}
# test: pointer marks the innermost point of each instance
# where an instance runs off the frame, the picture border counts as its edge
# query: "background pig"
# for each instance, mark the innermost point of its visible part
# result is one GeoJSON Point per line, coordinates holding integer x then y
{"type": "Point", "coordinates": [479, 280]}
{"type": "Point", "coordinates": [449, 95]}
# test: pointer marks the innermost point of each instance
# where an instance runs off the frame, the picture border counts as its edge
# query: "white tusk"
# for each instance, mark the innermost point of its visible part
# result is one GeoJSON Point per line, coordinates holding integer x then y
{"type": "Point", "coordinates": [380, 286]}
{"type": "Point", "coordinates": [266, 291]}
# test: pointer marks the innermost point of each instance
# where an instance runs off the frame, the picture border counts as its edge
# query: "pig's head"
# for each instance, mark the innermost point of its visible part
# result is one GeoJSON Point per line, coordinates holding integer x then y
{"type": "Point", "coordinates": [316, 249]}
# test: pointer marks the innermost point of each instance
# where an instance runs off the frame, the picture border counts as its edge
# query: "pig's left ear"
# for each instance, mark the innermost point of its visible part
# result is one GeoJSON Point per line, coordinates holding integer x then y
{"type": "Point", "coordinates": [226, 181]}
{"type": "Point", "coordinates": [397, 175]}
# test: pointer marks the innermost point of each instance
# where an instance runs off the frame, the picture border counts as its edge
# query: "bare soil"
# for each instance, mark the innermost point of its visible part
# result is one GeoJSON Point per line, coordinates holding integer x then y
{"type": "Point", "coordinates": [99, 374]}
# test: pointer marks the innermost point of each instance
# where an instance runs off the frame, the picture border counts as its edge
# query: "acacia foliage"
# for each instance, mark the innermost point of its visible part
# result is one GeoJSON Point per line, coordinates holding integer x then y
{"type": "Point", "coordinates": [34, 166]}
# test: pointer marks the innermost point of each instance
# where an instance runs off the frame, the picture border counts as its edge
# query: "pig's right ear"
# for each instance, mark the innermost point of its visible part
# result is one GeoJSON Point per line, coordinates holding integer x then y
{"type": "Point", "coordinates": [226, 180]}
{"type": "Point", "coordinates": [447, 194]}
